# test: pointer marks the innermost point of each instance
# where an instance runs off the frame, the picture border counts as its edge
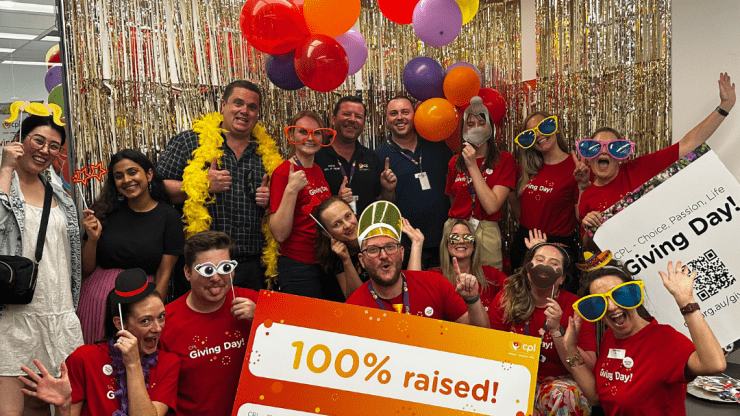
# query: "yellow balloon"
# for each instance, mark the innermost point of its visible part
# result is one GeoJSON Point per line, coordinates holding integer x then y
{"type": "Point", "coordinates": [51, 52]}
{"type": "Point", "coordinates": [469, 9]}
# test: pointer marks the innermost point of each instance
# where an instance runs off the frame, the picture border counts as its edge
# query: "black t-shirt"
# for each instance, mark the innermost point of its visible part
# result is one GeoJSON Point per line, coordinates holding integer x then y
{"type": "Point", "coordinates": [139, 239]}
{"type": "Point", "coordinates": [365, 182]}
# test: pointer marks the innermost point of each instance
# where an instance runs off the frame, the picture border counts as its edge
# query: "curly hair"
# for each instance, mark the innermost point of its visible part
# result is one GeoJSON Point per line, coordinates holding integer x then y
{"type": "Point", "coordinates": [531, 160]}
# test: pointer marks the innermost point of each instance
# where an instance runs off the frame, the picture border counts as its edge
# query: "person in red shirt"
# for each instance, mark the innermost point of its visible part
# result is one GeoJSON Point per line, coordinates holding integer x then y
{"type": "Point", "coordinates": [479, 180]}
{"type": "Point", "coordinates": [297, 188]}
{"type": "Point", "coordinates": [549, 181]}
{"type": "Point", "coordinates": [643, 367]}
{"type": "Point", "coordinates": [208, 328]}
{"type": "Point", "coordinates": [533, 304]}
{"type": "Point", "coordinates": [410, 292]}
{"type": "Point", "coordinates": [122, 374]}
{"type": "Point", "coordinates": [613, 179]}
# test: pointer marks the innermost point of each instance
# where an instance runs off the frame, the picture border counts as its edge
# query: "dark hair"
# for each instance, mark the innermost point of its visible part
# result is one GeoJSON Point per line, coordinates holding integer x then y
{"type": "Point", "coordinates": [241, 83]}
{"type": "Point", "coordinates": [206, 241]}
{"type": "Point", "coordinates": [349, 99]}
{"type": "Point", "coordinates": [531, 160]}
{"type": "Point", "coordinates": [108, 203]}
{"type": "Point", "coordinates": [109, 328]}
{"type": "Point", "coordinates": [324, 255]}
{"type": "Point", "coordinates": [607, 130]}
{"type": "Point", "coordinates": [32, 122]}
{"type": "Point", "coordinates": [400, 97]}
{"type": "Point", "coordinates": [613, 268]}
{"type": "Point", "coordinates": [493, 156]}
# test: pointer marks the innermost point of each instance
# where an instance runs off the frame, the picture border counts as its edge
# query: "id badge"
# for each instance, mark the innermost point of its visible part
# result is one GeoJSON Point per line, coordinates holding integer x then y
{"type": "Point", "coordinates": [423, 180]}
{"type": "Point", "coordinates": [616, 353]}
{"type": "Point", "coordinates": [474, 222]}
{"type": "Point", "coordinates": [353, 204]}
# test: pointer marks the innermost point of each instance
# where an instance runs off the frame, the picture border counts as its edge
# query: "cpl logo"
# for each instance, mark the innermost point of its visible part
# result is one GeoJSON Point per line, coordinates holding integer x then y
{"type": "Point", "coordinates": [516, 346]}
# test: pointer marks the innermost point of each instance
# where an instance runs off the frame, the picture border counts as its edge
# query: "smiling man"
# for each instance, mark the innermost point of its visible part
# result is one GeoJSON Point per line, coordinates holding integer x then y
{"type": "Point", "coordinates": [240, 184]}
{"type": "Point", "coordinates": [421, 169]}
{"type": "Point", "coordinates": [411, 292]}
{"type": "Point", "coordinates": [350, 167]}
{"type": "Point", "coordinates": [209, 327]}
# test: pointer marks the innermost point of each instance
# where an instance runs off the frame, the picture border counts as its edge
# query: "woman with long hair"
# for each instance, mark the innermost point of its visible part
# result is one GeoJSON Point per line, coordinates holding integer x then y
{"type": "Point", "coordinates": [130, 225]}
{"type": "Point", "coordinates": [532, 303]}
{"type": "Point", "coordinates": [47, 328]}
{"type": "Point", "coordinates": [479, 180]}
{"type": "Point", "coordinates": [124, 373]}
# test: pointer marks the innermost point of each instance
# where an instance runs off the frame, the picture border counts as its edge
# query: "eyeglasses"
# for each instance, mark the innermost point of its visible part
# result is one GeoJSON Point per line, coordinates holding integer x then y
{"type": "Point", "coordinates": [628, 295]}
{"type": "Point", "coordinates": [461, 238]}
{"type": "Point", "coordinates": [374, 251]}
{"type": "Point", "coordinates": [547, 127]}
{"type": "Point", "coordinates": [210, 269]}
{"type": "Point", "coordinates": [38, 142]}
{"type": "Point", "coordinates": [297, 135]}
{"type": "Point", "coordinates": [618, 149]}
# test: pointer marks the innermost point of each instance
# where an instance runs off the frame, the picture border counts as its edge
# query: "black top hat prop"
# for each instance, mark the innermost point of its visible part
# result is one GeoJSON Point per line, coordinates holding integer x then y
{"type": "Point", "coordinates": [131, 286]}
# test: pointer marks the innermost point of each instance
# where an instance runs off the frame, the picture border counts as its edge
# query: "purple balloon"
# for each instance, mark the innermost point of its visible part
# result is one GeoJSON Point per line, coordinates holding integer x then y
{"type": "Point", "coordinates": [423, 78]}
{"type": "Point", "coordinates": [281, 71]}
{"type": "Point", "coordinates": [354, 44]}
{"type": "Point", "coordinates": [437, 22]}
{"type": "Point", "coordinates": [53, 77]}
{"type": "Point", "coordinates": [467, 64]}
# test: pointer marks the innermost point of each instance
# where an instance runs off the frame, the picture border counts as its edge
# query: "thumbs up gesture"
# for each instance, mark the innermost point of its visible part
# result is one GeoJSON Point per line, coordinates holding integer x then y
{"type": "Point", "coordinates": [262, 195]}
{"type": "Point", "coordinates": [296, 180]}
{"type": "Point", "coordinates": [466, 285]}
{"type": "Point", "coordinates": [388, 179]}
{"type": "Point", "coordinates": [345, 192]}
{"type": "Point", "coordinates": [218, 180]}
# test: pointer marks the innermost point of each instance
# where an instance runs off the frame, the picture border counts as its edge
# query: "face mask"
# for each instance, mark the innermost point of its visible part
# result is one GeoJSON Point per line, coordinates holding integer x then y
{"type": "Point", "coordinates": [543, 276]}
{"type": "Point", "coordinates": [477, 135]}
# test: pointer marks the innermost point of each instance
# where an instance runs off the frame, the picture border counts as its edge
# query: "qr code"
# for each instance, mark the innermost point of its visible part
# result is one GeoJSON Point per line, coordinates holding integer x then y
{"type": "Point", "coordinates": [711, 275]}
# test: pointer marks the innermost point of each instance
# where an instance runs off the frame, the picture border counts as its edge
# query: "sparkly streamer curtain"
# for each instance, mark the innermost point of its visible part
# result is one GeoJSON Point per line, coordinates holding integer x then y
{"type": "Point", "coordinates": [139, 72]}
{"type": "Point", "coordinates": [607, 63]}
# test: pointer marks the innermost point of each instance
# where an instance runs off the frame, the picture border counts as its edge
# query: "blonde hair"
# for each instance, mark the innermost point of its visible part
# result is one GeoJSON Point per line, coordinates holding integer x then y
{"type": "Point", "coordinates": [531, 160]}
{"type": "Point", "coordinates": [445, 262]}
{"type": "Point", "coordinates": [298, 116]}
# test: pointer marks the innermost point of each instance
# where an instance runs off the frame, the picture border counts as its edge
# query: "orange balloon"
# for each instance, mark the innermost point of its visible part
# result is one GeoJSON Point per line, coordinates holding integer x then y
{"type": "Point", "coordinates": [435, 119]}
{"type": "Point", "coordinates": [460, 85]}
{"type": "Point", "coordinates": [331, 17]}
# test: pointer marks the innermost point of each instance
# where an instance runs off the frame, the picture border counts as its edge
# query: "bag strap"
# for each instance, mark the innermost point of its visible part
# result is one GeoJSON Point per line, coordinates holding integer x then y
{"type": "Point", "coordinates": [44, 217]}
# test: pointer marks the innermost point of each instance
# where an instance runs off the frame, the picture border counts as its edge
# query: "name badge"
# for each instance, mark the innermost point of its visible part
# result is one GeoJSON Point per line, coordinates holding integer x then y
{"type": "Point", "coordinates": [423, 180]}
{"type": "Point", "coordinates": [474, 222]}
{"type": "Point", "coordinates": [353, 204]}
{"type": "Point", "coordinates": [616, 353]}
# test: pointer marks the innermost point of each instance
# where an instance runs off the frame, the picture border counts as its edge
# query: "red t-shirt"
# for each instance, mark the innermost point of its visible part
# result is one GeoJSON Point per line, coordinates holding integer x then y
{"type": "Point", "coordinates": [211, 347]}
{"type": "Point", "coordinates": [457, 187]}
{"type": "Point", "coordinates": [300, 244]}
{"type": "Point", "coordinates": [91, 384]}
{"type": "Point", "coordinates": [430, 295]}
{"type": "Point", "coordinates": [549, 200]}
{"type": "Point", "coordinates": [631, 175]}
{"type": "Point", "coordinates": [495, 277]}
{"type": "Point", "coordinates": [655, 384]}
{"type": "Point", "coordinates": [552, 365]}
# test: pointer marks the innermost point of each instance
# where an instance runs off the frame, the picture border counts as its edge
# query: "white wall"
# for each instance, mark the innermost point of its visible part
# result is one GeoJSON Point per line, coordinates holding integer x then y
{"type": "Point", "coordinates": [706, 41]}
{"type": "Point", "coordinates": [29, 83]}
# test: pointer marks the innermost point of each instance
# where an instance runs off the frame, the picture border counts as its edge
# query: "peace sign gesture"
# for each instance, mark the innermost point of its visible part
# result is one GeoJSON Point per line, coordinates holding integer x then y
{"type": "Point", "coordinates": [581, 173]}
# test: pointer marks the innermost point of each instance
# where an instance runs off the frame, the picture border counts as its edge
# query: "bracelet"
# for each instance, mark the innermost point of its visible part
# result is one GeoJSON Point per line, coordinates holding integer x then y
{"type": "Point", "coordinates": [472, 301]}
{"type": "Point", "coordinates": [722, 112]}
{"type": "Point", "coordinates": [575, 360]}
{"type": "Point", "coordinates": [691, 307]}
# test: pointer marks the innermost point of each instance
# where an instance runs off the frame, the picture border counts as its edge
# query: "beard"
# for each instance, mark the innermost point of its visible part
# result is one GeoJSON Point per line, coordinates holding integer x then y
{"type": "Point", "coordinates": [377, 280]}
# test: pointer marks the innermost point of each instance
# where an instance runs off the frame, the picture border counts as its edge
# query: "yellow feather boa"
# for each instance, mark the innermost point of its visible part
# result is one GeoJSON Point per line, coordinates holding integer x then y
{"type": "Point", "coordinates": [195, 180]}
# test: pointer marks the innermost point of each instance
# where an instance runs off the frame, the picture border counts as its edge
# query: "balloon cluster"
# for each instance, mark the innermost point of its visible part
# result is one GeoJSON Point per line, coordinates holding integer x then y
{"type": "Point", "coordinates": [53, 78]}
{"type": "Point", "coordinates": [445, 95]}
{"type": "Point", "coordinates": [311, 42]}
{"type": "Point", "coordinates": [436, 22]}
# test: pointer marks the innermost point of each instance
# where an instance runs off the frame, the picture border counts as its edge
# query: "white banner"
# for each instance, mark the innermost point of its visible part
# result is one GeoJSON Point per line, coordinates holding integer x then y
{"type": "Point", "coordinates": [692, 216]}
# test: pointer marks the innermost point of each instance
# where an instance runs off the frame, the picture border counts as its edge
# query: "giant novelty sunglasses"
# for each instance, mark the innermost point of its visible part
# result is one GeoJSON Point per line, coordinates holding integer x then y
{"type": "Point", "coordinates": [210, 269]}
{"type": "Point", "coordinates": [547, 127]}
{"type": "Point", "coordinates": [297, 135]}
{"type": "Point", "coordinates": [618, 149]}
{"type": "Point", "coordinates": [628, 295]}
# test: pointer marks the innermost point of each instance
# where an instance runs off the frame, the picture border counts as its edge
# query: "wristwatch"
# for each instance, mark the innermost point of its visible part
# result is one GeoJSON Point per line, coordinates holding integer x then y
{"type": "Point", "coordinates": [691, 307]}
{"type": "Point", "coordinates": [574, 360]}
{"type": "Point", "coordinates": [557, 333]}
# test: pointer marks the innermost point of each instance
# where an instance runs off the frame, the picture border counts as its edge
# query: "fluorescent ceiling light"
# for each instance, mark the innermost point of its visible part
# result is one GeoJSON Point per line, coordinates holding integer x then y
{"type": "Point", "coordinates": [18, 36]}
{"type": "Point", "coordinates": [29, 63]}
{"type": "Point", "coordinates": [50, 39]}
{"type": "Point", "coordinates": [26, 7]}
{"type": "Point", "coordinates": [6, 50]}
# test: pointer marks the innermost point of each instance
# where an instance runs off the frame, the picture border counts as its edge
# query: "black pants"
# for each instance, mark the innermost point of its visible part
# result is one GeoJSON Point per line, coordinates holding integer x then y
{"type": "Point", "coordinates": [518, 253]}
{"type": "Point", "coordinates": [309, 280]}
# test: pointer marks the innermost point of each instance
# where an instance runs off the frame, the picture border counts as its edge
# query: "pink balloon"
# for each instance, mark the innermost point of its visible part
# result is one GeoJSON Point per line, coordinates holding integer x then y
{"type": "Point", "coordinates": [354, 44]}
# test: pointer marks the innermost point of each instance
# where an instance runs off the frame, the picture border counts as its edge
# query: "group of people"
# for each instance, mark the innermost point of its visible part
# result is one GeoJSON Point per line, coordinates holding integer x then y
{"type": "Point", "coordinates": [348, 221]}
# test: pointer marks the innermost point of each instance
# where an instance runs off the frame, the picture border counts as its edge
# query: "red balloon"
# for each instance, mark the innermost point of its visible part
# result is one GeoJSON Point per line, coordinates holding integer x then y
{"type": "Point", "coordinates": [494, 102]}
{"type": "Point", "coordinates": [454, 140]}
{"type": "Point", "coordinates": [54, 58]}
{"type": "Point", "coordinates": [273, 26]}
{"type": "Point", "coordinates": [321, 63]}
{"type": "Point", "coordinates": [398, 11]}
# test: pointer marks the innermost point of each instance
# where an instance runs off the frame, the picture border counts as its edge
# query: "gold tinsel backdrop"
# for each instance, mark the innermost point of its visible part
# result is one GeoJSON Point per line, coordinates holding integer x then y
{"type": "Point", "coordinates": [140, 72]}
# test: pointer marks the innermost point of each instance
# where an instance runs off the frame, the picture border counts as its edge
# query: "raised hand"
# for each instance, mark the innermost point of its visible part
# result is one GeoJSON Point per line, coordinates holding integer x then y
{"type": "Point", "coordinates": [680, 283]}
{"type": "Point", "coordinates": [11, 153]}
{"type": "Point", "coordinates": [129, 347]}
{"type": "Point", "coordinates": [535, 237]}
{"type": "Point", "coordinates": [468, 155]}
{"type": "Point", "coordinates": [340, 249]}
{"type": "Point", "coordinates": [345, 192]}
{"type": "Point", "coordinates": [553, 313]}
{"type": "Point", "coordinates": [243, 308]}
{"type": "Point", "coordinates": [55, 391]}
{"type": "Point", "coordinates": [218, 180]}
{"type": "Point", "coordinates": [582, 173]}
{"type": "Point", "coordinates": [571, 332]}
{"type": "Point", "coordinates": [726, 92]}
{"type": "Point", "coordinates": [414, 234]}
{"type": "Point", "coordinates": [466, 285]}
{"type": "Point", "coordinates": [388, 179]}
{"type": "Point", "coordinates": [92, 225]}
{"type": "Point", "coordinates": [262, 195]}
{"type": "Point", "coordinates": [296, 180]}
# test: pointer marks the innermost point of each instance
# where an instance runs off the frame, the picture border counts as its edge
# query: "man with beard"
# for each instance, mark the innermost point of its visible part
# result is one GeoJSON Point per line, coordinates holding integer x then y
{"type": "Point", "coordinates": [209, 327]}
{"type": "Point", "coordinates": [421, 169]}
{"type": "Point", "coordinates": [351, 168]}
{"type": "Point", "coordinates": [410, 292]}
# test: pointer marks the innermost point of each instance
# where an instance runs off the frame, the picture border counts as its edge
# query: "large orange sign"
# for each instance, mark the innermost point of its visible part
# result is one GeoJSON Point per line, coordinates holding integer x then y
{"type": "Point", "coordinates": [312, 357]}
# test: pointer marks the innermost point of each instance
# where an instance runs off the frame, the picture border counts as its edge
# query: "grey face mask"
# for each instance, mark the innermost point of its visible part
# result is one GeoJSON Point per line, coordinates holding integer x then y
{"type": "Point", "coordinates": [477, 135]}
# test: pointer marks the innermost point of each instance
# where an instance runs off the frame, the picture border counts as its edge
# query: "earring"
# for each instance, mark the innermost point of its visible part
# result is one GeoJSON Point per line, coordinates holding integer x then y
{"type": "Point", "coordinates": [150, 187]}
{"type": "Point", "coordinates": [120, 197]}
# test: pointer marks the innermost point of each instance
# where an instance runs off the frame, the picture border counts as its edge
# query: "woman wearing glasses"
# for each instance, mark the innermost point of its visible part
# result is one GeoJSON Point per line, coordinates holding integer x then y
{"type": "Point", "coordinates": [548, 184]}
{"type": "Point", "coordinates": [643, 367]}
{"type": "Point", "coordinates": [46, 329]}
{"type": "Point", "coordinates": [606, 148]}
{"type": "Point", "coordinates": [297, 187]}
{"type": "Point", "coordinates": [533, 304]}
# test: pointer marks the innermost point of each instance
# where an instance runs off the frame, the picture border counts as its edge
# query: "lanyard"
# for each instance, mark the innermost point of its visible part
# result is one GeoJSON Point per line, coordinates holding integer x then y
{"type": "Point", "coordinates": [471, 188]}
{"type": "Point", "coordinates": [398, 149]}
{"type": "Point", "coordinates": [297, 162]}
{"type": "Point", "coordinates": [381, 305]}
{"type": "Point", "coordinates": [344, 172]}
